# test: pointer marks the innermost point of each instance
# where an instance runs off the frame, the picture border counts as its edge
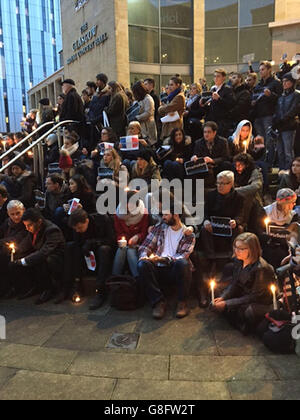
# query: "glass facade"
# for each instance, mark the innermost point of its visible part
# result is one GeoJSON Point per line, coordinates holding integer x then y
{"type": "Point", "coordinates": [161, 33]}
{"type": "Point", "coordinates": [236, 31]}
{"type": "Point", "coordinates": [30, 42]}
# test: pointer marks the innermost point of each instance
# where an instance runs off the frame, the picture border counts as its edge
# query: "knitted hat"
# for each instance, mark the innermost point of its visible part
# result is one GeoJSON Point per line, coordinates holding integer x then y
{"type": "Point", "coordinates": [286, 195]}
{"type": "Point", "coordinates": [45, 102]}
{"type": "Point", "coordinates": [144, 154]}
{"type": "Point", "coordinates": [20, 164]}
{"type": "Point", "coordinates": [289, 77]}
{"type": "Point", "coordinates": [65, 161]}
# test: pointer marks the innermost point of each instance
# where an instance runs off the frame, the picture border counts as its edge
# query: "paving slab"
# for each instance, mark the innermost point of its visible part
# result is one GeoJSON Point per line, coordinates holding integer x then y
{"type": "Point", "coordinates": [233, 343]}
{"type": "Point", "coordinates": [169, 390]}
{"type": "Point", "coordinates": [220, 368]}
{"type": "Point", "coordinates": [5, 375]}
{"type": "Point", "coordinates": [171, 336]}
{"type": "Point", "coordinates": [90, 333]}
{"type": "Point", "coordinates": [125, 366]}
{"type": "Point", "coordinates": [36, 358]}
{"type": "Point", "coordinates": [261, 391]}
{"type": "Point", "coordinates": [27, 385]}
{"type": "Point", "coordinates": [286, 367]}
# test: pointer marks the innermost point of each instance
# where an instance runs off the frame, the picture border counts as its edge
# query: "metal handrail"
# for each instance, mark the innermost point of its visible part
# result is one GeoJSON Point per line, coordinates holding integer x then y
{"type": "Point", "coordinates": [16, 146]}
{"type": "Point", "coordinates": [36, 143]}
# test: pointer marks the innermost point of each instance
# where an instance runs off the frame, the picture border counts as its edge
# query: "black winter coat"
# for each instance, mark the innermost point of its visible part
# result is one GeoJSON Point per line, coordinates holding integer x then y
{"type": "Point", "coordinates": [219, 111]}
{"type": "Point", "coordinates": [241, 110]}
{"type": "Point", "coordinates": [49, 241]}
{"type": "Point", "coordinates": [100, 232]}
{"type": "Point", "coordinates": [250, 285]}
{"type": "Point", "coordinates": [219, 153]}
{"type": "Point", "coordinates": [15, 233]}
{"type": "Point", "coordinates": [266, 105]}
{"type": "Point", "coordinates": [288, 107]}
{"type": "Point", "coordinates": [230, 205]}
{"type": "Point", "coordinates": [72, 108]}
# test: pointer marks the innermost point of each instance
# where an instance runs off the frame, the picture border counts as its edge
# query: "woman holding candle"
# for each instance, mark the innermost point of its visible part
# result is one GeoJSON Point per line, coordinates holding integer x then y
{"type": "Point", "coordinates": [240, 141]}
{"type": "Point", "coordinates": [181, 153]}
{"type": "Point", "coordinates": [131, 227]}
{"type": "Point", "coordinates": [248, 297]}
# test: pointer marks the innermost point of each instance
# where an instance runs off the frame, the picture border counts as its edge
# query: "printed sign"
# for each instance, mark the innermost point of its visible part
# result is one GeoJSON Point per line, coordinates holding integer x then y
{"type": "Point", "coordinates": [129, 143]}
{"type": "Point", "coordinates": [105, 146]}
{"type": "Point", "coordinates": [221, 226]}
{"type": "Point", "coordinates": [105, 173]}
{"type": "Point", "coordinates": [73, 205]}
{"type": "Point", "coordinates": [279, 232]}
{"type": "Point", "coordinates": [196, 167]}
{"type": "Point", "coordinates": [91, 261]}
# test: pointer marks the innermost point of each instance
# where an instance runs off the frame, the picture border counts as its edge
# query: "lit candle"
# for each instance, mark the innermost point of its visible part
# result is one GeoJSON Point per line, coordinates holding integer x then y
{"type": "Point", "coordinates": [245, 146]}
{"type": "Point", "coordinates": [267, 222]}
{"type": "Point", "coordinates": [127, 189]}
{"type": "Point", "coordinates": [122, 242]}
{"type": "Point", "coordinates": [273, 290]}
{"type": "Point", "coordinates": [12, 247]}
{"type": "Point", "coordinates": [30, 154]}
{"type": "Point", "coordinates": [4, 145]}
{"type": "Point", "coordinates": [76, 298]}
{"type": "Point", "coordinates": [213, 286]}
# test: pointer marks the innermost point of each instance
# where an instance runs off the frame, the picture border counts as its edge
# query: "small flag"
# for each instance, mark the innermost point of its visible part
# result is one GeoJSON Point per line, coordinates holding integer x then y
{"type": "Point", "coordinates": [129, 143]}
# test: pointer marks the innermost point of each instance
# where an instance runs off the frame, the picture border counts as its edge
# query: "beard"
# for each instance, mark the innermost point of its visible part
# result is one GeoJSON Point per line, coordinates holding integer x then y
{"type": "Point", "coordinates": [172, 221]}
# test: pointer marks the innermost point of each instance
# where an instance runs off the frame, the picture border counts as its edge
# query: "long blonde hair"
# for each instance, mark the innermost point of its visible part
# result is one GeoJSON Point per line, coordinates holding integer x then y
{"type": "Point", "coordinates": [115, 164]}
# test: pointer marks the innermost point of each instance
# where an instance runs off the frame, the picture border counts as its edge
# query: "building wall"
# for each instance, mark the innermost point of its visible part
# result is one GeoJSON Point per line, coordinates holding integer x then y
{"type": "Point", "coordinates": [30, 40]}
{"type": "Point", "coordinates": [111, 56]}
{"type": "Point", "coordinates": [286, 29]}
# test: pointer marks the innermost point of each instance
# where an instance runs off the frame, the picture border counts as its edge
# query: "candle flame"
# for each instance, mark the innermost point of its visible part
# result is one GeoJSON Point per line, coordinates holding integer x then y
{"type": "Point", "coordinates": [13, 248]}
{"type": "Point", "coordinates": [127, 189]}
{"type": "Point", "coordinates": [77, 300]}
{"type": "Point", "coordinates": [273, 289]}
{"type": "Point", "coordinates": [267, 221]}
{"type": "Point", "coordinates": [212, 284]}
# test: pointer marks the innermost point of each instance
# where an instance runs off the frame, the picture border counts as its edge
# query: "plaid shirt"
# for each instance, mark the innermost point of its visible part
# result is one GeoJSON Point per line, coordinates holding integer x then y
{"type": "Point", "coordinates": [155, 241]}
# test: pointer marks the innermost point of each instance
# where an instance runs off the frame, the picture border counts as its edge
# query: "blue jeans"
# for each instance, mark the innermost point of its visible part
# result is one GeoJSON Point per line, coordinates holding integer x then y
{"type": "Point", "coordinates": [261, 126]}
{"type": "Point", "coordinates": [285, 147]}
{"type": "Point", "coordinates": [123, 255]}
{"type": "Point", "coordinates": [150, 277]}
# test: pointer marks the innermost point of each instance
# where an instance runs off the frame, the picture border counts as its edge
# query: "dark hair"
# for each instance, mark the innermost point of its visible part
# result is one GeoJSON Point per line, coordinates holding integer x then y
{"type": "Point", "coordinates": [177, 80]}
{"type": "Point", "coordinates": [62, 95]}
{"type": "Point", "coordinates": [102, 77]}
{"type": "Point", "coordinates": [150, 80]}
{"type": "Point", "coordinates": [91, 85]}
{"type": "Point", "coordinates": [212, 125]}
{"type": "Point", "coordinates": [139, 90]}
{"type": "Point", "coordinates": [85, 92]}
{"type": "Point", "coordinates": [244, 158]}
{"type": "Point", "coordinates": [78, 216]}
{"type": "Point", "coordinates": [82, 185]}
{"type": "Point", "coordinates": [3, 191]}
{"type": "Point", "coordinates": [293, 179]}
{"type": "Point", "coordinates": [112, 137]}
{"type": "Point", "coordinates": [173, 135]}
{"type": "Point", "coordinates": [34, 215]}
{"type": "Point", "coordinates": [56, 179]}
{"type": "Point", "coordinates": [20, 136]}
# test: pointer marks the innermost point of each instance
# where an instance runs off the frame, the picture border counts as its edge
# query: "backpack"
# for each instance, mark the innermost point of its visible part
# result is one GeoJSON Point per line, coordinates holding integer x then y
{"type": "Point", "coordinates": [123, 292]}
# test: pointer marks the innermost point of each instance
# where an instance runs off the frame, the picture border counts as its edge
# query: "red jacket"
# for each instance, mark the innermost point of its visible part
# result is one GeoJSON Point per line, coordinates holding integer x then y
{"type": "Point", "coordinates": [141, 229]}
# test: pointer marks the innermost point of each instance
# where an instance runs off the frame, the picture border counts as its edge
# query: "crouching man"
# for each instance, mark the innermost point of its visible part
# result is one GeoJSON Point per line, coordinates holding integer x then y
{"type": "Point", "coordinates": [44, 264]}
{"type": "Point", "coordinates": [164, 257]}
{"type": "Point", "coordinates": [92, 233]}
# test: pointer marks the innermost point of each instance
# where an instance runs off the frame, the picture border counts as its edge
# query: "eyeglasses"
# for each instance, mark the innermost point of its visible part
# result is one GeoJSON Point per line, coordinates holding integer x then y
{"type": "Point", "coordinates": [223, 183]}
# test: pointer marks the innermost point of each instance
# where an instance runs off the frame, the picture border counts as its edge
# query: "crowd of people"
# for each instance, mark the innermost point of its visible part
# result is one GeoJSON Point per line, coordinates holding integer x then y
{"type": "Point", "coordinates": [238, 132]}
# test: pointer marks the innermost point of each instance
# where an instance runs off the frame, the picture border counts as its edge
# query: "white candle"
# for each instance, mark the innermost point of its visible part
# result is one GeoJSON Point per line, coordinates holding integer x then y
{"type": "Point", "coordinates": [122, 243]}
{"type": "Point", "coordinates": [13, 251]}
{"type": "Point", "coordinates": [267, 222]}
{"type": "Point", "coordinates": [273, 290]}
{"type": "Point", "coordinates": [245, 146]}
{"type": "Point", "coordinates": [213, 286]}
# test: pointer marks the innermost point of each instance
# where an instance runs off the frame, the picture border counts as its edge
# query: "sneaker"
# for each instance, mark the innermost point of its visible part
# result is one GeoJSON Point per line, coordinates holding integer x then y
{"type": "Point", "coordinates": [159, 310]}
{"type": "Point", "coordinates": [97, 301]}
{"type": "Point", "coordinates": [182, 310]}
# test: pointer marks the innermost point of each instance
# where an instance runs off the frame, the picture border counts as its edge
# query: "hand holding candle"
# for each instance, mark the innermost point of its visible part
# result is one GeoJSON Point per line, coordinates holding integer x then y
{"type": "Point", "coordinates": [12, 247]}
{"type": "Point", "coordinates": [245, 146]}
{"type": "Point", "coordinates": [213, 286]}
{"type": "Point", "coordinates": [267, 222]}
{"type": "Point", "coordinates": [122, 242]}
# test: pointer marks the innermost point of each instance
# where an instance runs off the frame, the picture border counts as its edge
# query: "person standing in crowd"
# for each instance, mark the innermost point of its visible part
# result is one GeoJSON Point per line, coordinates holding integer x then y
{"type": "Point", "coordinates": [60, 100]}
{"type": "Point", "coordinates": [251, 81]}
{"type": "Point", "coordinates": [72, 107]}
{"type": "Point", "coordinates": [194, 113]}
{"type": "Point", "coordinates": [175, 104]}
{"type": "Point", "coordinates": [43, 266]}
{"type": "Point", "coordinates": [146, 116]}
{"type": "Point", "coordinates": [91, 233]}
{"type": "Point", "coordinates": [131, 223]}
{"type": "Point", "coordinates": [116, 110]}
{"type": "Point", "coordinates": [101, 82]}
{"type": "Point", "coordinates": [222, 102]}
{"type": "Point", "coordinates": [247, 299]}
{"type": "Point", "coordinates": [164, 258]}
{"type": "Point", "coordinates": [150, 86]}
{"type": "Point", "coordinates": [181, 152]}
{"type": "Point", "coordinates": [242, 107]}
{"type": "Point", "coordinates": [86, 99]}
{"type": "Point", "coordinates": [3, 204]}
{"type": "Point", "coordinates": [94, 114]}
{"type": "Point", "coordinates": [264, 101]}
{"type": "Point", "coordinates": [284, 120]}
{"type": "Point", "coordinates": [46, 113]}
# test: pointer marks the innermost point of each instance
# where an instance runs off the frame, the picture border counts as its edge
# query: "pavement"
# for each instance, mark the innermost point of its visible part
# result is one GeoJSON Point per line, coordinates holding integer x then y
{"type": "Point", "coordinates": [66, 352]}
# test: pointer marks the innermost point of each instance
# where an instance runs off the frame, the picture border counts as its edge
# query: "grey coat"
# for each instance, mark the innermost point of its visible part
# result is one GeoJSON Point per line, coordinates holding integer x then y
{"type": "Point", "coordinates": [146, 118]}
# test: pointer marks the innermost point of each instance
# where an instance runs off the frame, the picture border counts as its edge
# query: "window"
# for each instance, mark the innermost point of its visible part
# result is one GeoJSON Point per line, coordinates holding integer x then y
{"type": "Point", "coordinates": [176, 14]}
{"type": "Point", "coordinates": [251, 43]}
{"type": "Point", "coordinates": [143, 12]}
{"type": "Point", "coordinates": [255, 12]}
{"type": "Point", "coordinates": [221, 46]}
{"type": "Point", "coordinates": [177, 47]}
{"type": "Point", "coordinates": [143, 44]}
{"type": "Point", "coordinates": [221, 14]}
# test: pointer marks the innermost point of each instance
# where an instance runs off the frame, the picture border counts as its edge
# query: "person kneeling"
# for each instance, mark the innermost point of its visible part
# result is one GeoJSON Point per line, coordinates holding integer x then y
{"type": "Point", "coordinates": [165, 255]}
{"type": "Point", "coordinates": [248, 298]}
{"type": "Point", "coordinates": [45, 261]}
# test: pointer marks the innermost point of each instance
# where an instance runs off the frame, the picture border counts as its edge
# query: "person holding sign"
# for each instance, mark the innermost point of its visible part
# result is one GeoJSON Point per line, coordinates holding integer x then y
{"type": "Point", "coordinates": [224, 202]}
{"type": "Point", "coordinates": [111, 160]}
{"type": "Point", "coordinates": [247, 298]}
